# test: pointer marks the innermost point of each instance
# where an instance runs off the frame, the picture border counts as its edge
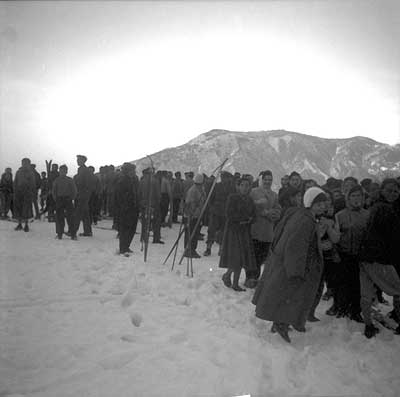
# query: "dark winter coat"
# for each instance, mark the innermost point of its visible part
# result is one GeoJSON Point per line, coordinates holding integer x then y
{"type": "Point", "coordinates": [177, 188]}
{"type": "Point", "coordinates": [144, 192]}
{"type": "Point", "coordinates": [126, 199]}
{"type": "Point", "coordinates": [293, 272]}
{"type": "Point", "coordinates": [38, 178]}
{"type": "Point", "coordinates": [84, 181]}
{"type": "Point", "coordinates": [51, 178]}
{"type": "Point", "coordinates": [219, 197]}
{"type": "Point", "coordinates": [24, 192]}
{"type": "Point", "coordinates": [64, 186]}
{"type": "Point", "coordinates": [237, 246]}
{"type": "Point", "coordinates": [352, 224]}
{"type": "Point", "coordinates": [381, 241]}
{"type": "Point", "coordinates": [6, 183]}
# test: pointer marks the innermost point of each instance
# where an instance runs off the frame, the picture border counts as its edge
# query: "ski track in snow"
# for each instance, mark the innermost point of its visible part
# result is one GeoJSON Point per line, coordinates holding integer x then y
{"type": "Point", "coordinates": [79, 320]}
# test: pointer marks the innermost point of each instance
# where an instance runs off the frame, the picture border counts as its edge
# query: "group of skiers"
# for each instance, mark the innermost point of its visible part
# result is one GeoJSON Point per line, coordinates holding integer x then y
{"type": "Point", "coordinates": [344, 235]}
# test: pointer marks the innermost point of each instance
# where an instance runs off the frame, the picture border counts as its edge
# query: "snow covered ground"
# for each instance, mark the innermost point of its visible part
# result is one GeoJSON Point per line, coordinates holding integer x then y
{"type": "Point", "coordinates": [79, 320]}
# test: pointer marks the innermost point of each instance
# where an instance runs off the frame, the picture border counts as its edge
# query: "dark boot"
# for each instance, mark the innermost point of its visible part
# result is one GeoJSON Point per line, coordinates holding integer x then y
{"type": "Point", "coordinates": [356, 317]}
{"type": "Point", "coordinates": [312, 319]}
{"type": "Point", "coordinates": [19, 227]}
{"type": "Point", "coordinates": [332, 311]}
{"type": "Point", "coordinates": [282, 330]}
{"type": "Point", "coordinates": [328, 295]}
{"type": "Point", "coordinates": [299, 329]}
{"type": "Point", "coordinates": [207, 252]}
{"type": "Point", "coordinates": [370, 331]}
{"type": "Point", "coordinates": [227, 280]}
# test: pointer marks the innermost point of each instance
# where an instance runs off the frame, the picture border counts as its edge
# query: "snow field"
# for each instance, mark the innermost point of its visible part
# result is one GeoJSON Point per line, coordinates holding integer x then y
{"type": "Point", "coordinates": [79, 320]}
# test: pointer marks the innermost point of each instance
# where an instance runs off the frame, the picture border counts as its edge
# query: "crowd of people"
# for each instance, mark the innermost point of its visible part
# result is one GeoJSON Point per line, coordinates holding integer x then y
{"type": "Point", "coordinates": [342, 237]}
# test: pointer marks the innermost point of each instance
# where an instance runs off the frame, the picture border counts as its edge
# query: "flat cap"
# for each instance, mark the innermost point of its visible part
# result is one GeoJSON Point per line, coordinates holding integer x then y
{"type": "Point", "coordinates": [81, 156]}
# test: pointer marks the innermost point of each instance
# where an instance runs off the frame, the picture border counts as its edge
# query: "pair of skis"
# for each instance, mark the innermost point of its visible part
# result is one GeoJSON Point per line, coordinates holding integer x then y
{"type": "Point", "coordinates": [189, 270]}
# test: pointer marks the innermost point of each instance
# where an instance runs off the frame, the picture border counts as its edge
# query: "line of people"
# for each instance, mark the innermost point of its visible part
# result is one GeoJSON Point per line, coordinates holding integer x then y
{"type": "Point", "coordinates": [343, 235]}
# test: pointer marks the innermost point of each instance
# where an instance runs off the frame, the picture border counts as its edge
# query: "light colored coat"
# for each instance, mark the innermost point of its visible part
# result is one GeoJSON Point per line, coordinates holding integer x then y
{"type": "Point", "coordinates": [265, 200]}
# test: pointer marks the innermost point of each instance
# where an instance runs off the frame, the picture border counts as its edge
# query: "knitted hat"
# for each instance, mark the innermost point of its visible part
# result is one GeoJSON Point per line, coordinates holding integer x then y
{"type": "Point", "coordinates": [313, 195]}
{"type": "Point", "coordinates": [199, 179]}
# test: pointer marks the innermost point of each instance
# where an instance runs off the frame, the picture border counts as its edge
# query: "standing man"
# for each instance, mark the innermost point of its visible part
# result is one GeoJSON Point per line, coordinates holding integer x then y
{"type": "Point", "coordinates": [351, 223]}
{"type": "Point", "coordinates": [38, 181]}
{"type": "Point", "coordinates": [64, 192]}
{"type": "Point", "coordinates": [166, 198]}
{"type": "Point", "coordinates": [84, 186]}
{"type": "Point", "coordinates": [51, 204]}
{"type": "Point", "coordinates": [44, 190]}
{"type": "Point", "coordinates": [268, 212]}
{"type": "Point", "coordinates": [154, 209]}
{"type": "Point", "coordinates": [110, 182]}
{"type": "Point", "coordinates": [6, 192]}
{"type": "Point", "coordinates": [177, 195]}
{"type": "Point", "coordinates": [380, 254]}
{"type": "Point", "coordinates": [24, 191]}
{"type": "Point", "coordinates": [217, 209]}
{"type": "Point", "coordinates": [195, 199]}
{"type": "Point", "coordinates": [187, 183]}
{"type": "Point", "coordinates": [94, 197]}
{"type": "Point", "coordinates": [126, 206]}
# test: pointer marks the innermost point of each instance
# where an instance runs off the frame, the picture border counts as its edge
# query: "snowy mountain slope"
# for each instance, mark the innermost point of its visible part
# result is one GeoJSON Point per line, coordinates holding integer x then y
{"type": "Point", "coordinates": [282, 152]}
{"type": "Point", "coordinates": [78, 320]}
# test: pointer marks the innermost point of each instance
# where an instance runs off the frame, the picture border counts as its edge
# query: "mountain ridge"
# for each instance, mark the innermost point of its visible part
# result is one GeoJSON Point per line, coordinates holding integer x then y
{"type": "Point", "coordinates": [280, 151]}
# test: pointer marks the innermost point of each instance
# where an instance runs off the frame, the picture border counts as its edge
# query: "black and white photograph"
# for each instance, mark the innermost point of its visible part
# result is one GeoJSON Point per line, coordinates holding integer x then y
{"type": "Point", "coordinates": [200, 198]}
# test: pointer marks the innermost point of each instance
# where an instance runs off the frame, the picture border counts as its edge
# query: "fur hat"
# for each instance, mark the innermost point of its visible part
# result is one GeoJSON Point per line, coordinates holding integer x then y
{"type": "Point", "coordinates": [199, 179]}
{"type": "Point", "coordinates": [311, 195]}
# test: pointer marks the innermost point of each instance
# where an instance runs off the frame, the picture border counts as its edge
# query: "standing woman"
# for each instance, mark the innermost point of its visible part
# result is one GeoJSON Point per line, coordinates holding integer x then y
{"type": "Point", "coordinates": [237, 248]}
{"type": "Point", "coordinates": [289, 283]}
{"type": "Point", "coordinates": [329, 236]}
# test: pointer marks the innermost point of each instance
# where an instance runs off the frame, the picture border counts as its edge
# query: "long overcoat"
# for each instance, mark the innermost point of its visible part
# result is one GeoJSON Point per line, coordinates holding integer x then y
{"type": "Point", "coordinates": [24, 192]}
{"type": "Point", "coordinates": [237, 246]}
{"type": "Point", "coordinates": [292, 275]}
{"type": "Point", "coordinates": [126, 200]}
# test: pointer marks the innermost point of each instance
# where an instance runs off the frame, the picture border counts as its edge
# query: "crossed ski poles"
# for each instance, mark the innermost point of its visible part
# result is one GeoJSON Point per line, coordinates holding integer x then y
{"type": "Point", "coordinates": [192, 232]}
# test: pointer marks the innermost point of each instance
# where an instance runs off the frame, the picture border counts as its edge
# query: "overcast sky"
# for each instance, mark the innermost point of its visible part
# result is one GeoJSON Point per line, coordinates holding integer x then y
{"type": "Point", "coordinates": [118, 80]}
